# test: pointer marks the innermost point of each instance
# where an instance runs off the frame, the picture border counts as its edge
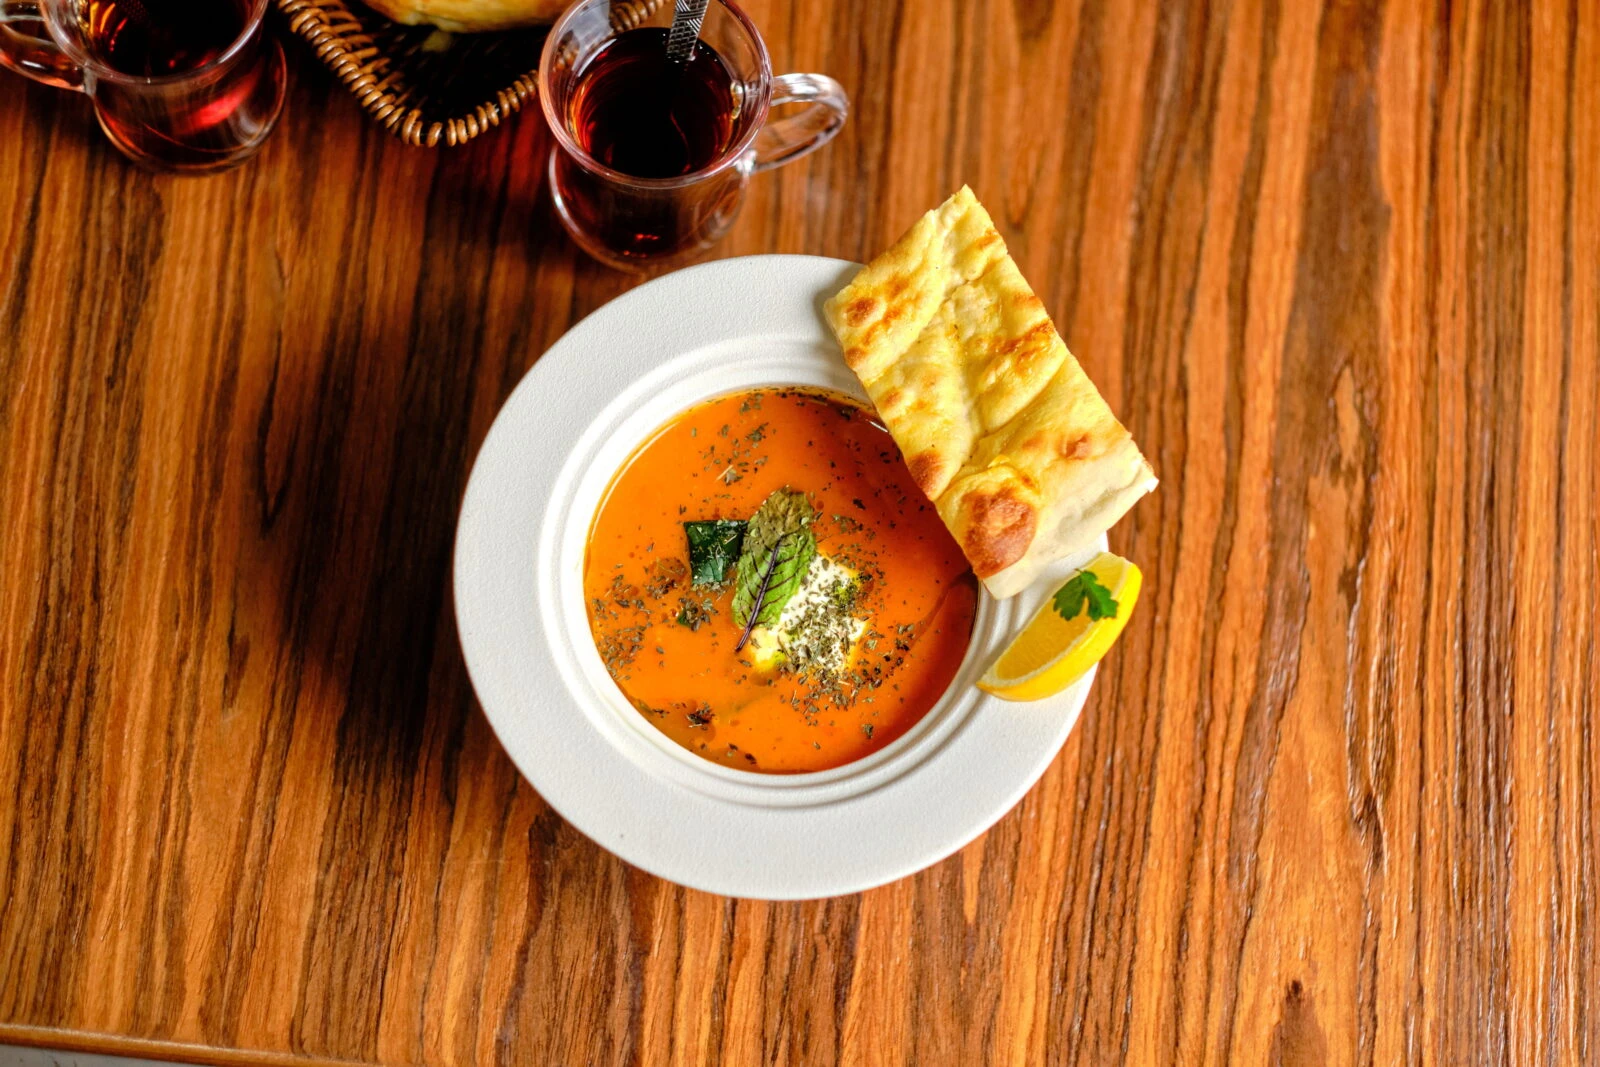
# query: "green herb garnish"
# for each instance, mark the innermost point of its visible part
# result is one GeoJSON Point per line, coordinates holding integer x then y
{"type": "Point", "coordinates": [693, 614]}
{"type": "Point", "coordinates": [1084, 588]}
{"type": "Point", "coordinates": [713, 547]}
{"type": "Point", "coordinates": [778, 547]}
{"type": "Point", "coordinates": [760, 593]}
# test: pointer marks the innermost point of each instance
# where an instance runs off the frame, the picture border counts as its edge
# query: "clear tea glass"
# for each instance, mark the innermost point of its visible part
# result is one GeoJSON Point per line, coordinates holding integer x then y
{"type": "Point", "coordinates": [178, 85]}
{"type": "Point", "coordinates": [633, 221]}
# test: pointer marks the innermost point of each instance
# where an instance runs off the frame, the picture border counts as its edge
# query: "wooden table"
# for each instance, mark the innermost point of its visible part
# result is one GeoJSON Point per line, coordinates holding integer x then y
{"type": "Point", "coordinates": [1335, 798]}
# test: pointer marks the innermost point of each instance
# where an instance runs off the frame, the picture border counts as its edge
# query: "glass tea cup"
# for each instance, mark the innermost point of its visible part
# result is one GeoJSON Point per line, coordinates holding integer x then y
{"type": "Point", "coordinates": [177, 85]}
{"type": "Point", "coordinates": [651, 160]}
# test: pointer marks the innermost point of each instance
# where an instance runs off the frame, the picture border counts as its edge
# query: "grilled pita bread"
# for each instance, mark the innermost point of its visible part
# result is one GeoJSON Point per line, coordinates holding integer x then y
{"type": "Point", "coordinates": [998, 423]}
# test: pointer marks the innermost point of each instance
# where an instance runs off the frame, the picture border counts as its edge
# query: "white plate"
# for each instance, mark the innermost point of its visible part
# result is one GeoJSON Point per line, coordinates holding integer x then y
{"type": "Point", "coordinates": [575, 417]}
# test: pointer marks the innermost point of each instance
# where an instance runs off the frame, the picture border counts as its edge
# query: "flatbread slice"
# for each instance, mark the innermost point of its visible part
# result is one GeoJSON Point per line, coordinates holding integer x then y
{"type": "Point", "coordinates": [1009, 346]}
{"type": "Point", "coordinates": [925, 394]}
{"type": "Point", "coordinates": [904, 351]}
{"type": "Point", "coordinates": [1044, 486]}
{"type": "Point", "coordinates": [998, 423]}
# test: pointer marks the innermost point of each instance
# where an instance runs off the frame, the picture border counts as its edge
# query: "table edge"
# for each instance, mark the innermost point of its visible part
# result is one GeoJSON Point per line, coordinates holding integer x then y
{"type": "Point", "coordinates": [107, 1044]}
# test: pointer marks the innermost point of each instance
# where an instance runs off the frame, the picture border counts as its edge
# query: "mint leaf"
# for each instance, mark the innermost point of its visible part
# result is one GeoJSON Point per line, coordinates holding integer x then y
{"type": "Point", "coordinates": [763, 591]}
{"type": "Point", "coordinates": [714, 546]}
{"type": "Point", "coordinates": [1084, 588]}
{"type": "Point", "coordinates": [760, 595]}
{"type": "Point", "coordinates": [778, 547]}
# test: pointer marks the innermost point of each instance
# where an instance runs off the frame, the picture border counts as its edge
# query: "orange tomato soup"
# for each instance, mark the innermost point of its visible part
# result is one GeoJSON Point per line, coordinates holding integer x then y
{"type": "Point", "coordinates": [720, 460]}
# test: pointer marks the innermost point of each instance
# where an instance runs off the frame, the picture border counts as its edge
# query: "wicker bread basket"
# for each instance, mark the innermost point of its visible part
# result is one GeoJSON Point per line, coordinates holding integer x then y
{"type": "Point", "coordinates": [425, 87]}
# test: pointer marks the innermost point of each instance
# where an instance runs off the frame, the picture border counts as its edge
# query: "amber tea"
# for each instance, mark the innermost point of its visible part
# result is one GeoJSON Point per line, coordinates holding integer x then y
{"type": "Point", "coordinates": [215, 86]}
{"type": "Point", "coordinates": [155, 38]}
{"type": "Point", "coordinates": [637, 112]}
{"type": "Point", "coordinates": [183, 85]}
{"type": "Point", "coordinates": [651, 157]}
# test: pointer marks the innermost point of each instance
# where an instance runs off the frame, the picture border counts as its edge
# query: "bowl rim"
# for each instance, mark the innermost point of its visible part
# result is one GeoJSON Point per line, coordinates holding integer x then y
{"type": "Point", "coordinates": [779, 836]}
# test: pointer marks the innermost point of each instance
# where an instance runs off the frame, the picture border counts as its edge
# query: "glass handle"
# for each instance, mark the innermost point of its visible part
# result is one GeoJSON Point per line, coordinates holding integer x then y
{"type": "Point", "coordinates": [783, 140]}
{"type": "Point", "coordinates": [26, 47]}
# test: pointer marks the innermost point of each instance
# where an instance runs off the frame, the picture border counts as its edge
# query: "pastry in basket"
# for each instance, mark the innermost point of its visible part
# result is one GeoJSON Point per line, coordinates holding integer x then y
{"type": "Point", "coordinates": [998, 423]}
{"type": "Point", "coordinates": [468, 16]}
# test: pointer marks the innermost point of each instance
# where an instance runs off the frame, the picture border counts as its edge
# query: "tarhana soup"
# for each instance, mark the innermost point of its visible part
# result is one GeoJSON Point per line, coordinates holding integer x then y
{"type": "Point", "coordinates": [786, 520]}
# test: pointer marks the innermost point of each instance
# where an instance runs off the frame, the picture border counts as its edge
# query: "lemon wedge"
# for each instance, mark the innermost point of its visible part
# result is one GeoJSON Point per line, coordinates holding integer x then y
{"type": "Point", "coordinates": [1052, 652]}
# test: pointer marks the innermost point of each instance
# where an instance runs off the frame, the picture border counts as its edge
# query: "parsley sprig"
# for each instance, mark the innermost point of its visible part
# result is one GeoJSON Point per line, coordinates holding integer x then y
{"type": "Point", "coordinates": [1083, 589]}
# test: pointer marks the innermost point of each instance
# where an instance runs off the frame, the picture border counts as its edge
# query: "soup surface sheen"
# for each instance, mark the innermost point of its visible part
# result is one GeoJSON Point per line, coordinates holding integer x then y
{"type": "Point", "coordinates": [720, 460]}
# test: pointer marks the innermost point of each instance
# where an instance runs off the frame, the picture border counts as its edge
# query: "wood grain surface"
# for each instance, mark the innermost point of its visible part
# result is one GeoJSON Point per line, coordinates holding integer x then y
{"type": "Point", "coordinates": [1336, 795]}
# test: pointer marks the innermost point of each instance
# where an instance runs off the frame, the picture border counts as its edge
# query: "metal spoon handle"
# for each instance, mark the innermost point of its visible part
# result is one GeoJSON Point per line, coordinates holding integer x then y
{"type": "Point", "coordinates": [687, 15]}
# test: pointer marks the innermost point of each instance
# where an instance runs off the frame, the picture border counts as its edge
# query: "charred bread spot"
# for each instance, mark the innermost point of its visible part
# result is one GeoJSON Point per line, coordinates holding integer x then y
{"type": "Point", "coordinates": [859, 310]}
{"type": "Point", "coordinates": [1000, 529]}
{"type": "Point", "coordinates": [927, 470]}
{"type": "Point", "coordinates": [1080, 447]}
{"type": "Point", "coordinates": [1035, 340]}
{"type": "Point", "coordinates": [868, 337]}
